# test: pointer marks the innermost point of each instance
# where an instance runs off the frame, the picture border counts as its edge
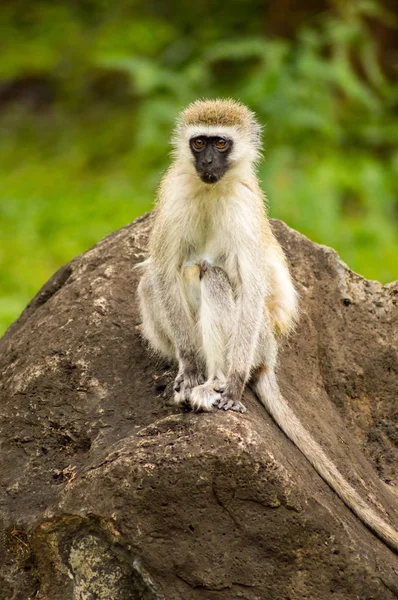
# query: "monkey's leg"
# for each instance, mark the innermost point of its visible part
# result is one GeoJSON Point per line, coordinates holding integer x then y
{"type": "Point", "coordinates": [154, 322]}
{"type": "Point", "coordinates": [191, 368]}
{"type": "Point", "coordinates": [263, 379]}
{"type": "Point", "coordinates": [216, 316]}
{"type": "Point", "coordinates": [159, 328]}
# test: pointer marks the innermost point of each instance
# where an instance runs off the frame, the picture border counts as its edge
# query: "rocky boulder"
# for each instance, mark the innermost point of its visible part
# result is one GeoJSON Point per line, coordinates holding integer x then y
{"type": "Point", "coordinates": [109, 492]}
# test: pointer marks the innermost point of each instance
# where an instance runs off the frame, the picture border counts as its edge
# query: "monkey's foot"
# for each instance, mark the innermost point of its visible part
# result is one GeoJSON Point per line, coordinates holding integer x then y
{"type": "Point", "coordinates": [184, 384]}
{"type": "Point", "coordinates": [204, 397]}
{"type": "Point", "coordinates": [227, 403]}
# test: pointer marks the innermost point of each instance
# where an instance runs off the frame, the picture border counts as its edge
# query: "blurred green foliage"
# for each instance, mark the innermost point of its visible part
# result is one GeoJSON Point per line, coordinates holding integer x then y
{"type": "Point", "coordinates": [96, 85]}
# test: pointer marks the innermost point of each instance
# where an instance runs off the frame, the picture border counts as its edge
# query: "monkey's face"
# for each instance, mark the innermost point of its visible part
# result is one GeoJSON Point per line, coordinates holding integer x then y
{"type": "Point", "coordinates": [211, 156]}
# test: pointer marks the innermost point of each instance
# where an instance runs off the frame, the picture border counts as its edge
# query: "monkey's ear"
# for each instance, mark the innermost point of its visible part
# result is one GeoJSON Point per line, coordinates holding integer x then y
{"type": "Point", "coordinates": [256, 133]}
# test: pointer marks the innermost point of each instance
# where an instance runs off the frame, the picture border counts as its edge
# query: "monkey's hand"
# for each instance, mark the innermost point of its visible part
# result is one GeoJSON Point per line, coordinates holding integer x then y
{"type": "Point", "coordinates": [187, 378]}
{"type": "Point", "coordinates": [230, 396]}
{"type": "Point", "coordinates": [205, 397]}
{"type": "Point", "coordinates": [227, 402]}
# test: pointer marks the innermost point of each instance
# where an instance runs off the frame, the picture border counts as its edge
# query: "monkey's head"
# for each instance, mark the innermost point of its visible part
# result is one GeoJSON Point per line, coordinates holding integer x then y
{"type": "Point", "coordinates": [216, 136]}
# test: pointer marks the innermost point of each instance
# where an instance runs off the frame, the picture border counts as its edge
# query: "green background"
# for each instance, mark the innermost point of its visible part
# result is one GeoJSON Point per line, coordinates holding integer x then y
{"type": "Point", "coordinates": [89, 91]}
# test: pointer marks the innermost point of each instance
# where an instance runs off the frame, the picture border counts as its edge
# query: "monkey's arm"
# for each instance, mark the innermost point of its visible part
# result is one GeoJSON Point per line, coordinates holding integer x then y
{"type": "Point", "coordinates": [167, 253]}
{"type": "Point", "coordinates": [249, 321]}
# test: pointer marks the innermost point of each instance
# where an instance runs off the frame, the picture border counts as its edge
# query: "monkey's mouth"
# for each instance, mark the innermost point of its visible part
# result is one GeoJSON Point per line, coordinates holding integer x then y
{"type": "Point", "coordinates": [210, 177]}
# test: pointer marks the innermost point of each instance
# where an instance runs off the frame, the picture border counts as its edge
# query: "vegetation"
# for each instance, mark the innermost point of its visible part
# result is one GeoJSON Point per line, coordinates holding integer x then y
{"type": "Point", "coordinates": [89, 91]}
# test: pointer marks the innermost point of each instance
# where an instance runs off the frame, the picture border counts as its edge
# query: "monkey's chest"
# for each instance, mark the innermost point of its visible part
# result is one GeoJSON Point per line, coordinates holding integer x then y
{"type": "Point", "coordinates": [209, 253]}
{"type": "Point", "coordinates": [206, 247]}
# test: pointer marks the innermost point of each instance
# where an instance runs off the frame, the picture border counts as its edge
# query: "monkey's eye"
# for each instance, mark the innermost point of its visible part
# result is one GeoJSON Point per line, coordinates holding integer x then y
{"type": "Point", "coordinates": [199, 144]}
{"type": "Point", "coordinates": [221, 144]}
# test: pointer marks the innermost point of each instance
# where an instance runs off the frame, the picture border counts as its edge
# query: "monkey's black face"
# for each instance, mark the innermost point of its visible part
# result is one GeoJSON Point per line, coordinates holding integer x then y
{"type": "Point", "coordinates": [211, 156]}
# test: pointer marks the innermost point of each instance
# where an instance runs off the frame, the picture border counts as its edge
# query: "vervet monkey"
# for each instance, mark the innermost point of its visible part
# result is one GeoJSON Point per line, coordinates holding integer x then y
{"type": "Point", "coordinates": [216, 292]}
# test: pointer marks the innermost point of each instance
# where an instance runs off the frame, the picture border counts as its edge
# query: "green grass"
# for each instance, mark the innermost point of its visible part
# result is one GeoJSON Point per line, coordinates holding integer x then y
{"type": "Point", "coordinates": [88, 160]}
{"type": "Point", "coordinates": [51, 209]}
{"type": "Point", "coordinates": [55, 206]}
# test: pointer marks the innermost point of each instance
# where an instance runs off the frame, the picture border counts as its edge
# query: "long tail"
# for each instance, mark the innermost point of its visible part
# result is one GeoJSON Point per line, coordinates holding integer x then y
{"type": "Point", "coordinates": [266, 388]}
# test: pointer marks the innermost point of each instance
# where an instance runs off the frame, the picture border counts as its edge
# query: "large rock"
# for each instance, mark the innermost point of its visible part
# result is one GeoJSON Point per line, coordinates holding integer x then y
{"type": "Point", "coordinates": [110, 492]}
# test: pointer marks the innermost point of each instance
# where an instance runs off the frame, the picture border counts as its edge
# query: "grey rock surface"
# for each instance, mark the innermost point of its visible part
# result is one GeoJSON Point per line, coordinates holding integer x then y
{"type": "Point", "coordinates": [108, 491]}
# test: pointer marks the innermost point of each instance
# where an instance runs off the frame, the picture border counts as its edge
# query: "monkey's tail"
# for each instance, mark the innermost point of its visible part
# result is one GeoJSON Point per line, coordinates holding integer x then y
{"type": "Point", "coordinates": [268, 392]}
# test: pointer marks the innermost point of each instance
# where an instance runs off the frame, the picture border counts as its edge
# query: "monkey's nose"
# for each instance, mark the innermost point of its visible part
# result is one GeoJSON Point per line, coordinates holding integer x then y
{"type": "Point", "coordinates": [207, 160]}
